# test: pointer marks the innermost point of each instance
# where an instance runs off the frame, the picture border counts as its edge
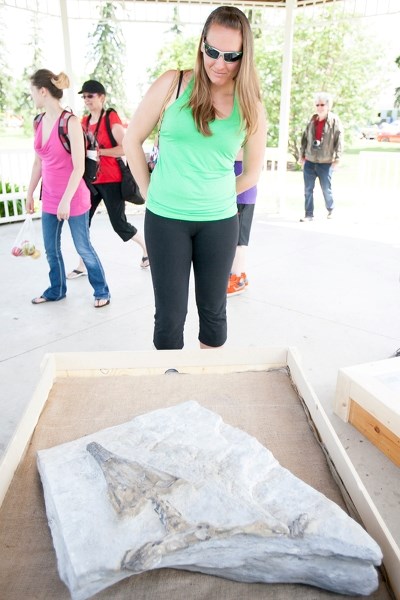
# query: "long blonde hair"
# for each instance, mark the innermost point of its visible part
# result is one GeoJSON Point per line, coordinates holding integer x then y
{"type": "Point", "coordinates": [247, 88]}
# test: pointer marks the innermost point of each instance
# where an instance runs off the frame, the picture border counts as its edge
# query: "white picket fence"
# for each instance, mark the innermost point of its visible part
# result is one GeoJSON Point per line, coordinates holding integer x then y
{"type": "Point", "coordinates": [378, 177]}
{"type": "Point", "coordinates": [15, 171]}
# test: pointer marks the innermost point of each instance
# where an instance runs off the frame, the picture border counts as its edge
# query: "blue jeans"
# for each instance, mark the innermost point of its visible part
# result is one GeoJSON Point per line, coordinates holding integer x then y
{"type": "Point", "coordinates": [324, 172]}
{"type": "Point", "coordinates": [79, 227]}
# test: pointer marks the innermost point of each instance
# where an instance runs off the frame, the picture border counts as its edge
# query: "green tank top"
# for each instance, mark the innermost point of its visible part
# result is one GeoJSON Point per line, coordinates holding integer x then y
{"type": "Point", "coordinates": [194, 178]}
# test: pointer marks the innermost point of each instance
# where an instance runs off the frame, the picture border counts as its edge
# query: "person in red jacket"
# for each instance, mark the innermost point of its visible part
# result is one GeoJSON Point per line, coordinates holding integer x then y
{"type": "Point", "coordinates": [107, 185]}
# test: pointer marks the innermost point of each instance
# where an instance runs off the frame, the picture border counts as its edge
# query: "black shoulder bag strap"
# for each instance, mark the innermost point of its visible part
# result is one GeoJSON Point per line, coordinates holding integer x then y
{"type": "Point", "coordinates": [113, 141]}
{"type": "Point", "coordinates": [179, 84]}
{"type": "Point", "coordinates": [108, 127]}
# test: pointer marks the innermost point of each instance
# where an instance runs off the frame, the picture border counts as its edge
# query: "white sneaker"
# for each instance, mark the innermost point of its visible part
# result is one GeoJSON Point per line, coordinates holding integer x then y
{"type": "Point", "coordinates": [305, 219]}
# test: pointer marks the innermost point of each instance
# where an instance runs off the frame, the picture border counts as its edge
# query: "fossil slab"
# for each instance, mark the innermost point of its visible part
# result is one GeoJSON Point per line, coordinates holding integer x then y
{"type": "Point", "coordinates": [179, 488]}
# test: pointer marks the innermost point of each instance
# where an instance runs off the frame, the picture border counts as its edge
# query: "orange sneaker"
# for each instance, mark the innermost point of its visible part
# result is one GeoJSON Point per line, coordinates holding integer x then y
{"type": "Point", "coordinates": [236, 285]}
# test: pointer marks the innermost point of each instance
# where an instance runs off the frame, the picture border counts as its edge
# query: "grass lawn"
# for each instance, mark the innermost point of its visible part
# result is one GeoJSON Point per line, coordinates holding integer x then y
{"type": "Point", "coordinates": [347, 184]}
{"type": "Point", "coordinates": [14, 139]}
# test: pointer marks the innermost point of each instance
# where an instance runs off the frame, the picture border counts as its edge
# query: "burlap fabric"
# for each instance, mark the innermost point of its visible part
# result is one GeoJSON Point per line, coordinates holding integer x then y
{"type": "Point", "coordinates": [264, 404]}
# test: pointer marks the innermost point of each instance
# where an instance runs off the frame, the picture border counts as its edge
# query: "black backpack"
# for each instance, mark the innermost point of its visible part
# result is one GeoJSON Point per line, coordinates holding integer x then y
{"type": "Point", "coordinates": [62, 128]}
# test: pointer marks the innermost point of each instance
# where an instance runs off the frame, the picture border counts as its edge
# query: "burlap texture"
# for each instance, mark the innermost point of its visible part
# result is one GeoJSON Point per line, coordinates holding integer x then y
{"type": "Point", "coordinates": [264, 404]}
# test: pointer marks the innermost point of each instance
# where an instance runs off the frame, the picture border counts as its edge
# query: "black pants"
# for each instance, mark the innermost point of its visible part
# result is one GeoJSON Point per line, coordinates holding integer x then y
{"type": "Point", "coordinates": [173, 246]}
{"type": "Point", "coordinates": [245, 214]}
{"type": "Point", "coordinates": [111, 194]}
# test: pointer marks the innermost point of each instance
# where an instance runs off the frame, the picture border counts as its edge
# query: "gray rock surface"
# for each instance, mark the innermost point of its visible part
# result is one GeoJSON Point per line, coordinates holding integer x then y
{"type": "Point", "coordinates": [179, 488]}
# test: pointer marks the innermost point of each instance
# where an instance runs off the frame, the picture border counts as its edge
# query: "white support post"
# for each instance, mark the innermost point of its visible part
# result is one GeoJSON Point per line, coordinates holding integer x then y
{"type": "Point", "coordinates": [70, 95]}
{"type": "Point", "coordinates": [284, 113]}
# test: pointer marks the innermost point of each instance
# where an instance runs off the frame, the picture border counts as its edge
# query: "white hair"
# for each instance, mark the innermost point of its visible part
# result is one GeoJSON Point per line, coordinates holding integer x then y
{"type": "Point", "coordinates": [324, 97]}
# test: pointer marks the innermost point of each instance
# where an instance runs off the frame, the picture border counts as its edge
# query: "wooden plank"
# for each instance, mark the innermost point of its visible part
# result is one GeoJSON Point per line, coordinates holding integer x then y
{"type": "Point", "coordinates": [19, 441]}
{"type": "Point", "coordinates": [369, 513]}
{"type": "Point", "coordinates": [386, 441]}
{"type": "Point", "coordinates": [342, 404]}
{"type": "Point", "coordinates": [153, 362]}
{"type": "Point", "coordinates": [375, 387]}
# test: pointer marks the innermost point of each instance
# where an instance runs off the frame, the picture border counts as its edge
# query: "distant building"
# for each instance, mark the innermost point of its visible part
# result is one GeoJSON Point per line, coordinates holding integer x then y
{"type": "Point", "coordinates": [388, 115]}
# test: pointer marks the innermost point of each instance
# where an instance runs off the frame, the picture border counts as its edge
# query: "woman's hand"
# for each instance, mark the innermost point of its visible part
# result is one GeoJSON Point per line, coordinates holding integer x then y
{"type": "Point", "coordinates": [63, 210]}
{"type": "Point", "coordinates": [30, 205]}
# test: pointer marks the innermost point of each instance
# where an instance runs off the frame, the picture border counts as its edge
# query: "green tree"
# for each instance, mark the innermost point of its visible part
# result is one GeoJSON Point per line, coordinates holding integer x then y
{"type": "Point", "coordinates": [180, 54]}
{"type": "Point", "coordinates": [176, 22]}
{"type": "Point", "coordinates": [255, 17]}
{"type": "Point", "coordinates": [397, 90]}
{"type": "Point", "coordinates": [23, 105]}
{"type": "Point", "coordinates": [107, 54]}
{"type": "Point", "coordinates": [331, 54]}
{"type": "Point", "coordinates": [5, 78]}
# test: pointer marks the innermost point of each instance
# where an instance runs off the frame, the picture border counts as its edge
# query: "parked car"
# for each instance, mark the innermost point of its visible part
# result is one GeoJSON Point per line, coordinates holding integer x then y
{"type": "Point", "coordinates": [369, 132]}
{"type": "Point", "coordinates": [389, 132]}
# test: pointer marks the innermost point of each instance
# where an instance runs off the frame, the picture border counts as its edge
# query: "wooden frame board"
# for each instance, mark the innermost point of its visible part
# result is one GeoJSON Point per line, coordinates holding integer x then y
{"type": "Point", "coordinates": [106, 364]}
{"type": "Point", "coordinates": [368, 397]}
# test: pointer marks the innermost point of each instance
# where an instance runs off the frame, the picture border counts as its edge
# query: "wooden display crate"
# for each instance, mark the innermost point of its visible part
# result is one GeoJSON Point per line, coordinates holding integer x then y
{"type": "Point", "coordinates": [368, 397]}
{"type": "Point", "coordinates": [56, 367]}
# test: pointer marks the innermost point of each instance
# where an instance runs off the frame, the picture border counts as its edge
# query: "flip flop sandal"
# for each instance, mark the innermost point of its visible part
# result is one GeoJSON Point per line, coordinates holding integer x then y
{"type": "Point", "coordinates": [39, 300]}
{"type": "Point", "coordinates": [75, 274]}
{"type": "Point", "coordinates": [145, 262]}
{"type": "Point", "coordinates": [106, 303]}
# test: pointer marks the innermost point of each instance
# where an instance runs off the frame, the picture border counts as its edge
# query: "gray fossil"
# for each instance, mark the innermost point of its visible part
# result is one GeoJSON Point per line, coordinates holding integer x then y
{"type": "Point", "coordinates": [179, 488]}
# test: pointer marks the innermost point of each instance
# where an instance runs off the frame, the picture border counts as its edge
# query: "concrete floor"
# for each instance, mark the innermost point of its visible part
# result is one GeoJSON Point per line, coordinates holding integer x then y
{"type": "Point", "coordinates": [329, 288]}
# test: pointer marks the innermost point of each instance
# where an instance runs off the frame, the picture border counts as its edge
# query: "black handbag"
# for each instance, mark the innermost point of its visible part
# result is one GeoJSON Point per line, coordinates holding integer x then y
{"type": "Point", "coordinates": [129, 188]}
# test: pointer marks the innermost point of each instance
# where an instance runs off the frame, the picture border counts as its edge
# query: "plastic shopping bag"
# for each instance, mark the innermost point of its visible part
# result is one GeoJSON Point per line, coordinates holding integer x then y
{"type": "Point", "coordinates": [25, 242]}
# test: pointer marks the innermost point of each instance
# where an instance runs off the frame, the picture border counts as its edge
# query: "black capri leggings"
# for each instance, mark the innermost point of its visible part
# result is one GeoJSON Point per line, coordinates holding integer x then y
{"type": "Point", "coordinates": [111, 194]}
{"type": "Point", "coordinates": [172, 246]}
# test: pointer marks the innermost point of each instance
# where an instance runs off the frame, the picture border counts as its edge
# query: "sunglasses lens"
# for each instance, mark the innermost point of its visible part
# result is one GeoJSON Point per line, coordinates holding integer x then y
{"type": "Point", "coordinates": [211, 52]}
{"type": "Point", "coordinates": [231, 57]}
{"type": "Point", "coordinates": [84, 96]}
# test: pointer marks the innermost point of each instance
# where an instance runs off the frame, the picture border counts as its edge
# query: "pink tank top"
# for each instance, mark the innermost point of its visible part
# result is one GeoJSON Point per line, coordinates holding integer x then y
{"type": "Point", "coordinates": [56, 171]}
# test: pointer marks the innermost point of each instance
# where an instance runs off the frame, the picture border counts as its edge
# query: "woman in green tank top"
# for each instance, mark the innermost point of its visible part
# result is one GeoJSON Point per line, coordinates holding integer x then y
{"type": "Point", "coordinates": [191, 213]}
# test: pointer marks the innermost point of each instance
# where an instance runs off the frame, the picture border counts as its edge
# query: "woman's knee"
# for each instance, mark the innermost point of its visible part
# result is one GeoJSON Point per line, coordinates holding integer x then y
{"type": "Point", "coordinates": [213, 330]}
{"type": "Point", "coordinates": [168, 329]}
{"type": "Point", "coordinates": [126, 232]}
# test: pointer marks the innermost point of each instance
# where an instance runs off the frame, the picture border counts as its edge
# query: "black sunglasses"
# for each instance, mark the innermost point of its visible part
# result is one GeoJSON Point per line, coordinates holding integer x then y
{"type": "Point", "coordinates": [84, 96]}
{"type": "Point", "coordinates": [229, 57]}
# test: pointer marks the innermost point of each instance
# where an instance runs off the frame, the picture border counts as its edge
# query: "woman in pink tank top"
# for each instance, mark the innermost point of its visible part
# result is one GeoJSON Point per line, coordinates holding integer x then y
{"type": "Point", "coordinates": [64, 194]}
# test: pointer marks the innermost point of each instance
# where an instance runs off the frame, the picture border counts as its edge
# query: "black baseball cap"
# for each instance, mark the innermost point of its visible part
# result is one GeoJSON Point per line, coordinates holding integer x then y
{"type": "Point", "coordinates": [93, 87]}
